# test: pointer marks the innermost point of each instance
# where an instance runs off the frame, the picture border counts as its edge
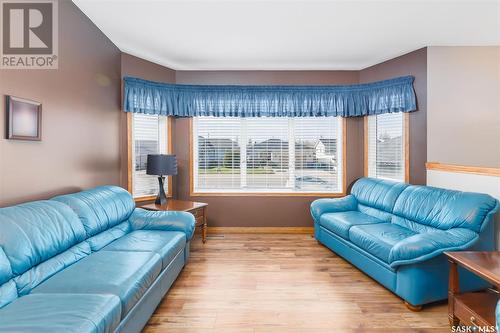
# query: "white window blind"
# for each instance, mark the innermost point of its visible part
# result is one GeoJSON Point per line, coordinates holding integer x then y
{"type": "Point", "coordinates": [386, 156]}
{"type": "Point", "coordinates": [149, 136]}
{"type": "Point", "coordinates": [267, 154]}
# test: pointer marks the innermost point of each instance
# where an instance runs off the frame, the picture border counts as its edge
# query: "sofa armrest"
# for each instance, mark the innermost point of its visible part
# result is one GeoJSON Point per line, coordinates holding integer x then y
{"type": "Point", "coordinates": [142, 219]}
{"type": "Point", "coordinates": [322, 206]}
{"type": "Point", "coordinates": [425, 246]}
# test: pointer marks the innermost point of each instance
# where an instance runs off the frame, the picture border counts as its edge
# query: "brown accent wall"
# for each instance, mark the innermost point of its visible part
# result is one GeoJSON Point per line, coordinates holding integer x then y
{"type": "Point", "coordinates": [245, 211]}
{"type": "Point", "coordinates": [413, 63]}
{"type": "Point", "coordinates": [80, 124]}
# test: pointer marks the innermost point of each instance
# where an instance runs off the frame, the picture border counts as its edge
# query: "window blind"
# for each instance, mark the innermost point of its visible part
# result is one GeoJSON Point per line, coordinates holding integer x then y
{"type": "Point", "coordinates": [318, 154]}
{"type": "Point", "coordinates": [149, 136]}
{"type": "Point", "coordinates": [267, 154]}
{"type": "Point", "coordinates": [386, 146]}
{"type": "Point", "coordinates": [217, 159]}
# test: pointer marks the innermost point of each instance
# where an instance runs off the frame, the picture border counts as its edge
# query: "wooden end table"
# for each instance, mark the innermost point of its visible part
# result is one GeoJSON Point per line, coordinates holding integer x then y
{"type": "Point", "coordinates": [476, 309]}
{"type": "Point", "coordinates": [198, 209]}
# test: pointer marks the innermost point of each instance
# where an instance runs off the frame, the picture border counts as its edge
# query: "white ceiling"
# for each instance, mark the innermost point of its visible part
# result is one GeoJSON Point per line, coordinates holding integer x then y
{"type": "Point", "coordinates": [289, 35]}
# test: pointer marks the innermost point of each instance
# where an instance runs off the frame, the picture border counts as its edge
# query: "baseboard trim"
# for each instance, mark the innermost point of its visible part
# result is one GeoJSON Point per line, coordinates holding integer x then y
{"type": "Point", "coordinates": [260, 230]}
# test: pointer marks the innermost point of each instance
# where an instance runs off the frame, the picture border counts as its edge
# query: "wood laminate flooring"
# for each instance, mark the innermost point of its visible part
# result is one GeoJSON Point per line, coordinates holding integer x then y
{"type": "Point", "coordinates": [251, 283]}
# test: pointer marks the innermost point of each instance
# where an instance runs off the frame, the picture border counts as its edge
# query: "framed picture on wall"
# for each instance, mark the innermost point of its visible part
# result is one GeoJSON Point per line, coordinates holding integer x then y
{"type": "Point", "coordinates": [24, 119]}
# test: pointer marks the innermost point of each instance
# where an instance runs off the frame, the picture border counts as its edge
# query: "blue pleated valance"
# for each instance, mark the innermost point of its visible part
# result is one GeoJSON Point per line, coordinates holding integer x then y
{"type": "Point", "coordinates": [394, 95]}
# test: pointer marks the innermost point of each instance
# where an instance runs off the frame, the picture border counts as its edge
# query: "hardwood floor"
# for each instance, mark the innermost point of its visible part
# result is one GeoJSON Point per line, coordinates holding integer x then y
{"type": "Point", "coordinates": [282, 283]}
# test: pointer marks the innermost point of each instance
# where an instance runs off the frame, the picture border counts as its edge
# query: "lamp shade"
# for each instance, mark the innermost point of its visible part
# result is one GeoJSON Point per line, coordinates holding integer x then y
{"type": "Point", "coordinates": [161, 165]}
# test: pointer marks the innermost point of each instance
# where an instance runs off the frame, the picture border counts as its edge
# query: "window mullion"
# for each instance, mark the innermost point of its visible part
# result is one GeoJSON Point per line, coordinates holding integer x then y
{"type": "Point", "coordinates": [291, 153]}
{"type": "Point", "coordinates": [243, 153]}
{"type": "Point", "coordinates": [196, 151]}
{"type": "Point", "coordinates": [162, 135]}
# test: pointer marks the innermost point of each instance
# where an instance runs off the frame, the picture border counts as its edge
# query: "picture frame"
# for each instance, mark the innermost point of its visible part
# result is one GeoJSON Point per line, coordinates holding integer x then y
{"type": "Point", "coordinates": [24, 119]}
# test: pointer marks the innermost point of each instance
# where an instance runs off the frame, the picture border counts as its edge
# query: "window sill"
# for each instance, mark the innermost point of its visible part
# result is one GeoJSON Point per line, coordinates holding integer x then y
{"type": "Point", "coordinates": [266, 194]}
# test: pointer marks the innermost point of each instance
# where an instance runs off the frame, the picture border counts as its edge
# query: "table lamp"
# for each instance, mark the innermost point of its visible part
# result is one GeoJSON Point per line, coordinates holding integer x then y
{"type": "Point", "coordinates": [161, 165]}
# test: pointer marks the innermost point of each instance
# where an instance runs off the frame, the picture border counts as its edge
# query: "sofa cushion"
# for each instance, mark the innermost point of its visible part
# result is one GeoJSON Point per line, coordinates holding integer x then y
{"type": "Point", "coordinates": [377, 193]}
{"type": "Point", "coordinates": [340, 223]}
{"type": "Point", "coordinates": [444, 209]}
{"type": "Point", "coordinates": [33, 232]}
{"type": "Point", "coordinates": [104, 238]}
{"type": "Point", "coordinates": [124, 274]}
{"type": "Point", "coordinates": [378, 239]}
{"type": "Point", "coordinates": [100, 208]}
{"type": "Point", "coordinates": [166, 243]}
{"type": "Point", "coordinates": [41, 272]}
{"type": "Point", "coordinates": [412, 225]}
{"type": "Point", "coordinates": [377, 213]}
{"type": "Point", "coordinates": [49, 313]}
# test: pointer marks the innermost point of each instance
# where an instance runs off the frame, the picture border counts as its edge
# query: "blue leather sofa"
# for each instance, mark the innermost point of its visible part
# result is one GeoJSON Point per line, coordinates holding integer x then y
{"type": "Point", "coordinates": [397, 233]}
{"type": "Point", "coordinates": [87, 262]}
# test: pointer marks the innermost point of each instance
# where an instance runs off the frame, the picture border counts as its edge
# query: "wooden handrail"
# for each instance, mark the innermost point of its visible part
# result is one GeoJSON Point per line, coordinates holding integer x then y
{"type": "Point", "coordinates": [484, 171]}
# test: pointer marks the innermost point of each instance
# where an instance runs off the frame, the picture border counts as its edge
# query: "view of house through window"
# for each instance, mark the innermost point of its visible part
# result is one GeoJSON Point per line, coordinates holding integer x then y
{"type": "Point", "coordinates": [386, 156]}
{"type": "Point", "coordinates": [267, 154]}
{"type": "Point", "coordinates": [149, 136]}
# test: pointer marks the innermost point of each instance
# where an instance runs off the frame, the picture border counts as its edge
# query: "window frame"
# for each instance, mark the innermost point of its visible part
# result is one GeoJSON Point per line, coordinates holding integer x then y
{"type": "Point", "coordinates": [406, 146]}
{"type": "Point", "coordinates": [194, 193]}
{"type": "Point", "coordinates": [130, 155]}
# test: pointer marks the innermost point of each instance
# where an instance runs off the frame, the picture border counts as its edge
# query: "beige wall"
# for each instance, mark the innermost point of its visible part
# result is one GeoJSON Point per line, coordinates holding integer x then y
{"type": "Point", "coordinates": [80, 124]}
{"type": "Point", "coordinates": [464, 105]}
{"type": "Point", "coordinates": [413, 63]}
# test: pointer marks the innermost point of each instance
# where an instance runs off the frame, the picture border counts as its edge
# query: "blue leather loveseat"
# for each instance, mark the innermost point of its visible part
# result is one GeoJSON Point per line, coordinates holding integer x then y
{"type": "Point", "coordinates": [497, 317]}
{"type": "Point", "coordinates": [397, 233]}
{"type": "Point", "coordinates": [87, 262]}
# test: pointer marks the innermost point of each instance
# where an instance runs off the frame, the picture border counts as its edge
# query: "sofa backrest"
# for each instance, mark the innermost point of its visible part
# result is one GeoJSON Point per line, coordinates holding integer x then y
{"type": "Point", "coordinates": [423, 208]}
{"type": "Point", "coordinates": [377, 194]}
{"type": "Point", "coordinates": [31, 234]}
{"type": "Point", "coordinates": [100, 208]}
{"type": "Point", "coordinates": [443, 209]}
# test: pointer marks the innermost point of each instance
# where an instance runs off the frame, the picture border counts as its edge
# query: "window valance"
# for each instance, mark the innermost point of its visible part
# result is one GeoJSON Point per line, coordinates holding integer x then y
{"type": "Point", "coordinates": [394, 95]}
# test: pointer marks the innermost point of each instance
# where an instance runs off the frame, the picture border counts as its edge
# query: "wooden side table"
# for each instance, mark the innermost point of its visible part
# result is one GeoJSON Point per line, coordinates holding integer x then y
{"type": "Point", "coordinates": [475, 309]}
{"type": "Point", "coordinates": [198, 209]}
